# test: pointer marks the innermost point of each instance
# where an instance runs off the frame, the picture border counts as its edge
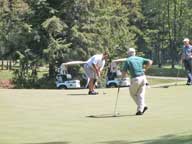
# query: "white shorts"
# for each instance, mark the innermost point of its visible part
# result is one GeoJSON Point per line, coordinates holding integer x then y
{"type": "Point", "coordinates": [90, 73]}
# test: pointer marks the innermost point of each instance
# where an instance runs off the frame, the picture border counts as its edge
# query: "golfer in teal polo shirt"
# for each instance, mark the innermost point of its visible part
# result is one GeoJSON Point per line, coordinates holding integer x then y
{"type": "Point", "coordinates": [136, 66]}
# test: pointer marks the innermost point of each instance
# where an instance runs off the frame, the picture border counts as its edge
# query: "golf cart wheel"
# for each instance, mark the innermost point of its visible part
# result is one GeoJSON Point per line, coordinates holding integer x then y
{"type": "Point", "coordinates": [112, 85]}
{"type": "Point", "coordinates": [62, 87]}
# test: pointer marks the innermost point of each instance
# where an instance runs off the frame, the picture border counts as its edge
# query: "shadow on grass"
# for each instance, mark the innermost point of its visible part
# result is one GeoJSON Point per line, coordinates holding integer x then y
{"type": "Point", "coordinates": [50, 143]}
{"type": "Point", "coordinates": [85, 94]}
{"type": "Point", "coordinates": [108, 116]}
{"type": "Point", "coordinates": [168, 139]}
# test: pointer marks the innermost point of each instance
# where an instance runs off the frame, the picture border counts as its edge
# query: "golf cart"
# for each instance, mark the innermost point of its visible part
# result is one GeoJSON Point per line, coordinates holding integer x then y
{"type": "Point", "coordinates": [64, 80]}
{"type": "Point", "coordinates": [114, 75]}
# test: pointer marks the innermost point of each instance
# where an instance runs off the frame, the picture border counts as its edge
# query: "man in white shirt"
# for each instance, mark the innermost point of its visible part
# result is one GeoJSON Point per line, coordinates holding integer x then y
{"type": "Point", "coordinates": [93, 68]}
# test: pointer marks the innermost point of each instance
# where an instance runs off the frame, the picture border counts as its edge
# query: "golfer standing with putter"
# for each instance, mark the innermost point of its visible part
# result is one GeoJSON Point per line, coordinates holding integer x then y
{"type": "Point", "coordinates": [137, 66]}
{"type": "Point", "coordinates": [93, 68]}
{"type": "Point", "coordinates": [187, 60]}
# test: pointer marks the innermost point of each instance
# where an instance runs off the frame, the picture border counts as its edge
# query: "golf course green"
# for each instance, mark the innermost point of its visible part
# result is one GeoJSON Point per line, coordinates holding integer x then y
{"type": "Point", "coordinates": [62, 117]}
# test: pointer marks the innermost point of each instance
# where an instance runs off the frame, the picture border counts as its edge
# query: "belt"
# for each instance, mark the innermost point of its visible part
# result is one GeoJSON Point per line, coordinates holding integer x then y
{"type": "Point", "coordinates": [138, 75]}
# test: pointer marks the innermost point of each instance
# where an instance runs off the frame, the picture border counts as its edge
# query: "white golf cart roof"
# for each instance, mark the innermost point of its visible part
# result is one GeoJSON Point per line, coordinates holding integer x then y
{"type": "Point", "coordinates": [73, 63]}
{"type": "Point", "coordinates": [83, 62]}
{"type": "Point", "coordinates": [120, 60]}
{"type": "Point", "coordinates": [63, 66]}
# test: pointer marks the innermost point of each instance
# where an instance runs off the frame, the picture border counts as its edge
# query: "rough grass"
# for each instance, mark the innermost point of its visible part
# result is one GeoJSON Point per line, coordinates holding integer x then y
{"type": "Point", "coordinates": [60, 117]}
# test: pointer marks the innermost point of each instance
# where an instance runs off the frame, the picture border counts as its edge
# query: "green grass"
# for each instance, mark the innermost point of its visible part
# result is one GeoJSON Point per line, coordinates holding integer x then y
{"type": "Point", "coordinates": [60, 117]}
{"type": "Point", "coordinates": [6, 74]}
{"type": "Point", "coordinates": [154, 81]}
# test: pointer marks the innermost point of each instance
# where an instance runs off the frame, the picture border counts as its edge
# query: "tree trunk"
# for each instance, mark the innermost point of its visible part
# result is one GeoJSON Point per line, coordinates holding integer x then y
{"type": "Point", "coordinates": [10, 64]}
{"type": "Point", "coordinates": [175, 31]}
{"type": "Point", "coordinates": [159, 54]}
{"type": "Point", "coordinates": [10, 4]}
{"type": "Point", "coordinates": [7, 67]}
{"type": "Point", "coordinates": [51, 70]}
{"type": "Point", "coordinates": [170, 37]}
{"type": "Point", "coordinates": [2, 64]}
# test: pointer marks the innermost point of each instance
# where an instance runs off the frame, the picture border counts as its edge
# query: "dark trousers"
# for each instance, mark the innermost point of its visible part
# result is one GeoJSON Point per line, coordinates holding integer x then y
{"type": "Point", "coordinates": [188, 68]}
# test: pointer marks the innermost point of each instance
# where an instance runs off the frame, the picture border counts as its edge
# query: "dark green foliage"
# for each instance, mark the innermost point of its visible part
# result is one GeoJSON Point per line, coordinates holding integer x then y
{"type": "Point", "coordinates": [26, 75]}
{"type": "Point", "coordinates": [168, 72]}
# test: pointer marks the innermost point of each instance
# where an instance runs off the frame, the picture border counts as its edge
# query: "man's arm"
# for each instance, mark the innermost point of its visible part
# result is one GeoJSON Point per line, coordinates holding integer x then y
{"type": "Point", "coordinates": [124, 70]}
{"type": "Point", "coordinates": [96, 69]}
{"type": "Point", "coordinates": [191, 53]}
{"type": "Point", "coordinates": [148, 65]}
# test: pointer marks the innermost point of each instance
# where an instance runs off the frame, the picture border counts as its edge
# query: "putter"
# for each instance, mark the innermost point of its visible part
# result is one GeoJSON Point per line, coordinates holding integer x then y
{"type": "Point", "coordinates": [115, 114]}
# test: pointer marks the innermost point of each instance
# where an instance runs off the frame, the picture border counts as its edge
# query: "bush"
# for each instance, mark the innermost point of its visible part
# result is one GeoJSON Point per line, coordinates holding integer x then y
{"type": "Point", "coordinates": [166, 71]}
{"type": "Point", "coordinates": [46, 83]}
{"type": "Point", "coordinates": [6, 84]}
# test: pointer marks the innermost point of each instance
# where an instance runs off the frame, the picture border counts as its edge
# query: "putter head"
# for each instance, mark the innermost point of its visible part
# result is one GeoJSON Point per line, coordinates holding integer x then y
{"type": "Point", "coordinates": [116, 114]}
{"type": "Point", "coordinates": [104, 93]}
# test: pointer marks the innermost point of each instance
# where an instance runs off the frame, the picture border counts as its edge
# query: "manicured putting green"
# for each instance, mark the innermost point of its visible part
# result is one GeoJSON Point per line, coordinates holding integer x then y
{"type": "Point", "coordinates": [61, 117]}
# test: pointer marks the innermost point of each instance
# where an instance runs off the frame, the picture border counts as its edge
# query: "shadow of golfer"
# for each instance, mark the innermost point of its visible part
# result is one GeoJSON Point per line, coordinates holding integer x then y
{"type": "Point", "coordinates": [49, 143]}
{"type": "Point", "coordinates": [167, 139]}
{"type": "Point", "coordinates": [108, 116]}
{"type": "Point", "coordinates": [78, 94]}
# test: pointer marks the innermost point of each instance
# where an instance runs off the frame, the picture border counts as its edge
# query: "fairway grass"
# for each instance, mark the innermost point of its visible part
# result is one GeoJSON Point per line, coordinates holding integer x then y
{"type": "Point", "coordinates": [61, 117]}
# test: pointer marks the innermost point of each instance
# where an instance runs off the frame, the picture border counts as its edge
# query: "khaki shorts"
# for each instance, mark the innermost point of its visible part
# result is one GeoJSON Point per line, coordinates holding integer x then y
{"type": "Point", "coordinates": [90, 72]}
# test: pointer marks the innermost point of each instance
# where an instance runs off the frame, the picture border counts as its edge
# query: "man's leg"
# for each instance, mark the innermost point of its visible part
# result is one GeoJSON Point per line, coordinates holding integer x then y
{"type": "Point", "coordinates": [187, 66]}
{"type": "Point", "coordinates": [189, 78]}
{"type": "Point", "coordinates": [94, 83]}
{"type": "Point", "coordinates": [133, 89]}
{"type": "Point", "coordinates": [189, 71]}
{"type": "Point", "coordinates": [91, 85]}
{"type": "Point", "coordinates": [141, 97]}
{"type": "Point", "coordinates": [87, 83]}
{"type": "Point", "coordinates": [138, 94]}
{"type": "Point", "coordinates": [91, 76]}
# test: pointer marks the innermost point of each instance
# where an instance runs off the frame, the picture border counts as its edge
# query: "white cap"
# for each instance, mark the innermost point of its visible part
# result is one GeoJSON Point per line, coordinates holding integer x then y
{"type": "Point", "coordinates": [186, 39]}
{"type": "Point", "coordinates": [130, 50]}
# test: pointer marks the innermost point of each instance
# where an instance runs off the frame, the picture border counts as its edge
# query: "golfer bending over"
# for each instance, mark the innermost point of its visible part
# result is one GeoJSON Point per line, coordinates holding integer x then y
{"type": "Point", "coordinates": [137, 67]}
{"type": "Point", "coordinates": [93, 68]}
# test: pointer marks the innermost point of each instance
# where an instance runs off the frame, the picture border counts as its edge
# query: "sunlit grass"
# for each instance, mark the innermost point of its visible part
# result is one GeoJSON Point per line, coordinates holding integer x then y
{"type": "Point", "coordinates": [60, 117]}
{"type": "Point", "coordinates": [6, 74]}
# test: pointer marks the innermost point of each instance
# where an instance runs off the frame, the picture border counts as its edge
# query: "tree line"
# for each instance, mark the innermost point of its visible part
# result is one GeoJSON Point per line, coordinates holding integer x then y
{"type": "Point", "coordinates": [49, 32]}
